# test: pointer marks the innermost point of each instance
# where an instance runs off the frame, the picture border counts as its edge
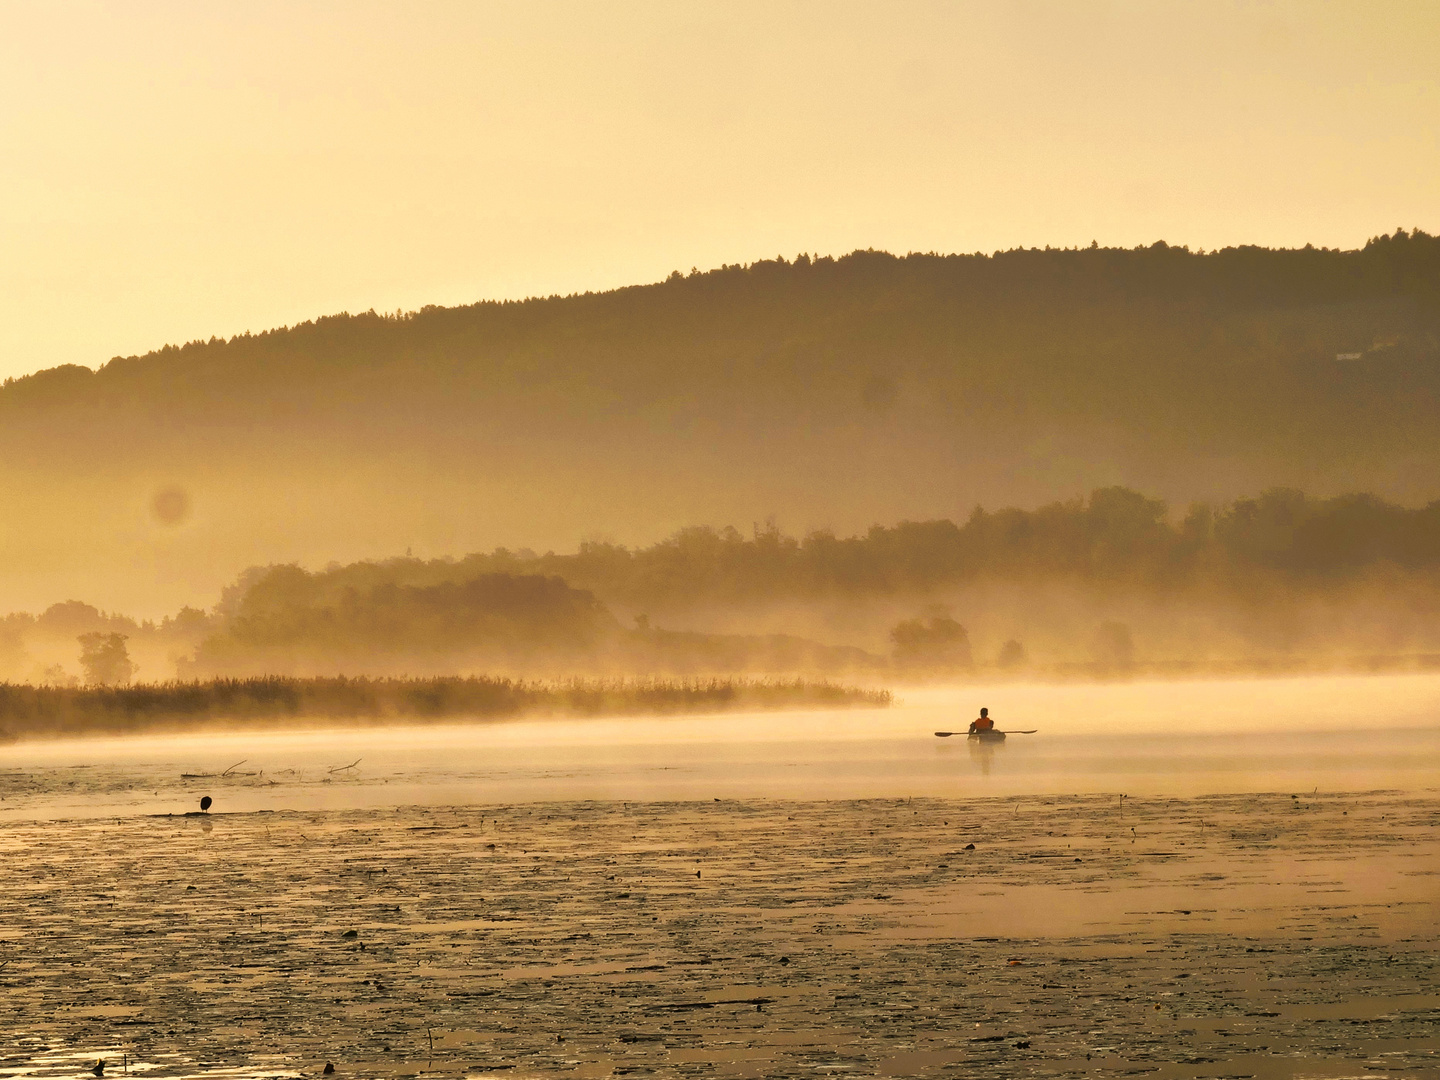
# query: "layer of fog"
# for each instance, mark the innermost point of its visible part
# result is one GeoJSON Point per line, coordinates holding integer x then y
{"type": "Point", "coordinates": [1177, 738]}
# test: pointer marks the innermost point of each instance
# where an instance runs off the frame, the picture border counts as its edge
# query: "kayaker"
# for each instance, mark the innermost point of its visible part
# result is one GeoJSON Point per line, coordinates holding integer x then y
{"type": "Point", "coordinates": [983, 723]}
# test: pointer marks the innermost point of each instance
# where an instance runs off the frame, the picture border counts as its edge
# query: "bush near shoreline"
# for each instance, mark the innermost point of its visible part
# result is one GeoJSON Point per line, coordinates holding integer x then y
{"type": "Point", "coordinates": [29, 711]}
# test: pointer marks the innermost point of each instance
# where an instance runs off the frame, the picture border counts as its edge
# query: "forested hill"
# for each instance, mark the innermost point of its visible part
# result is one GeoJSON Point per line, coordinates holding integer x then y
{"type": "Point", "coordinates": [1033, 332]}
{"type": "Point", "coordinates": [826, 392]}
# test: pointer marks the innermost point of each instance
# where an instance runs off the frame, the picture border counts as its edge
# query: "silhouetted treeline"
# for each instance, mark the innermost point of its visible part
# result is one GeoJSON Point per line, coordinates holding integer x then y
{"type": "Point", "coordinates": [287, 619]}
{"type": "Point", "coordinates": [1104, 580]}
{"type": "Point", "coordinates": [1114, 535]}
{"type": "Point", "coordinates": [70, 618]}
{"type": "Point", "coordinates": [51, 711]}
{"type": "Point", "coordinates": [43, 648]}
{"type": "Point", "coordinates": [1279, 577]}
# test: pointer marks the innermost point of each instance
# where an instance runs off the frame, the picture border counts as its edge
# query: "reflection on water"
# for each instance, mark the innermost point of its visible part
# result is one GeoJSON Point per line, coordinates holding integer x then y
{"type": "Point", "coordinates": [1338, 733]}
{"type": "Point", "coordinates": [982, 753]}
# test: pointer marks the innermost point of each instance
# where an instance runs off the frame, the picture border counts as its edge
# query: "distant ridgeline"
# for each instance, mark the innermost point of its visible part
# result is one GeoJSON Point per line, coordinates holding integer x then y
{"type": "Point", "coordinates": [842, 391]}
{"type": "Point", "coordinates": [1185, 346]}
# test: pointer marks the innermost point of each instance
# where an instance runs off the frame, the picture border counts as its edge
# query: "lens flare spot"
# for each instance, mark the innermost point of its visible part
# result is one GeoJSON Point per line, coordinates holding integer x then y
{"type": "Point", "coordinates": [171, 505]}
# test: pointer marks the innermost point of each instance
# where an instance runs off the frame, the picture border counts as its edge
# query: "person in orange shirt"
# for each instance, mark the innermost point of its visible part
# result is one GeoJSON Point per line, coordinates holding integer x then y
{"type": "Point", "coordinates": [984, 723]}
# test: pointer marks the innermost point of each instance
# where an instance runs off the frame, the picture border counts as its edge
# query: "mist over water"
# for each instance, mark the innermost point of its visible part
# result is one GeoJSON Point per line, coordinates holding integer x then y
{"type": "Point", "coordinates": [1335, 733]}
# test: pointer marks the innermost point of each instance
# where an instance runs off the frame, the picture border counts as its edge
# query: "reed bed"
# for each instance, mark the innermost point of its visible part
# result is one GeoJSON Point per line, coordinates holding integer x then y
{"type": "Point", "coordinates": [27, 711]}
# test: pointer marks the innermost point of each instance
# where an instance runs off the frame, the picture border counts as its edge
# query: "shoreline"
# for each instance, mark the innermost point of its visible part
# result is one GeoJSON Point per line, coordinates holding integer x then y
{"type": "Point", "coordinates": [272, 702]}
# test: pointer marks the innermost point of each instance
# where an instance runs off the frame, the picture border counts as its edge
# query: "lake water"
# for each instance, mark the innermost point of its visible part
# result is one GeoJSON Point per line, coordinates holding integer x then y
{"type": "Point", "coordinates": [1351, 733]}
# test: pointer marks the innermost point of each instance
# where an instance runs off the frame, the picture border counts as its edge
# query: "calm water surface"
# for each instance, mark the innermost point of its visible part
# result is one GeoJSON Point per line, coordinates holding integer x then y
{"type": "Point", "coordinates": [1183, 738]}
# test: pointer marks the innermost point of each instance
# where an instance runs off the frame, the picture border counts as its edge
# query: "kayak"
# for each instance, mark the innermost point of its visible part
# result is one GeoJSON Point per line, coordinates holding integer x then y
{"type": "Point", "coordinates": [994, 735]}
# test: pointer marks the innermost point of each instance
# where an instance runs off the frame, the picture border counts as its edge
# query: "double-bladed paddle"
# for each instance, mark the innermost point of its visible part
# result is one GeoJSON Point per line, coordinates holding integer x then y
{"type": "Point", "coordinates": [947, 734]}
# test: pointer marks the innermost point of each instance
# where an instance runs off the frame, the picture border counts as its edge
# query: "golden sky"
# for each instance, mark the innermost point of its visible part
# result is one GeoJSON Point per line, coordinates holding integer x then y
{"type": "Point", "coordinates": [169, 171]}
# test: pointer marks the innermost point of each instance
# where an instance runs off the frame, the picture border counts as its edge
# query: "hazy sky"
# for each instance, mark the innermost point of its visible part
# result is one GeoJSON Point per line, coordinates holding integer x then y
{"type": "Point", "coordinates": [171, 171]}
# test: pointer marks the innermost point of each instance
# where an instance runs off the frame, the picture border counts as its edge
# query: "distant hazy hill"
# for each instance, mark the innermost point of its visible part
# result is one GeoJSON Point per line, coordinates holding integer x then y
{"type": "Point", "coordinates": [826, 392]}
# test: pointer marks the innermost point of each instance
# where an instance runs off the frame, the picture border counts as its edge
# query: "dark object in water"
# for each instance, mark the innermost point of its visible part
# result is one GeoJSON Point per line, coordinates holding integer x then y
{"type": "Point", "coordinates": [99, 1069]}
{"type": "Point", "coordinates": [205, 802]}
{"type": "Point", "coordinates": [329, 1068]}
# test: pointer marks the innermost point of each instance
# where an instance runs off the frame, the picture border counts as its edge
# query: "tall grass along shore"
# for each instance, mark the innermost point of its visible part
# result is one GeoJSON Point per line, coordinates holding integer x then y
{"type": "Point", "coordinates": [31, 711]}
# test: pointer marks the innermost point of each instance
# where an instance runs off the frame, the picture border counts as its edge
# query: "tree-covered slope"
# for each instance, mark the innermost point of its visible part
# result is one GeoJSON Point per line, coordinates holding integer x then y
{"type": "Point", "coordinates": [822, 391]}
